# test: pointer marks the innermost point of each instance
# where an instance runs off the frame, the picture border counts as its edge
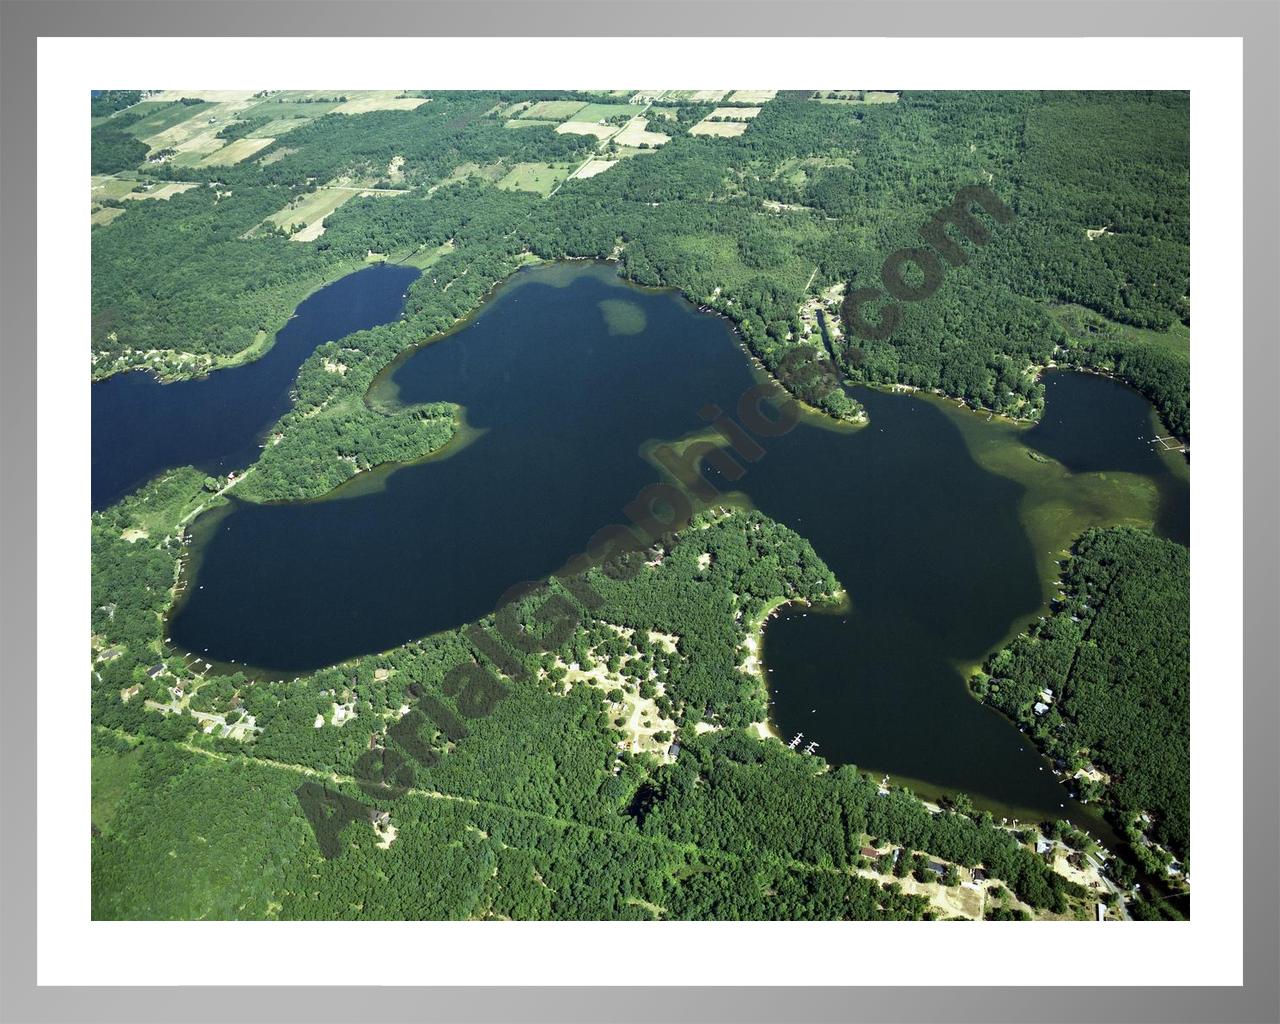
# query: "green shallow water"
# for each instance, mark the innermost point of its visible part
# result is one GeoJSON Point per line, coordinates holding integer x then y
{"type": "Point", "coordinates": [939, 523]}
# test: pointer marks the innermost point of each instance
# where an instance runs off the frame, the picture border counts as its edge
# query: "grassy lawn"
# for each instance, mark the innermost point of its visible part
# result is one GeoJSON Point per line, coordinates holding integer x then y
{"type": "Point", "coordinates": [540, 178]}
{"type": "Point", "coordinates": [233, 153]}
{"type": "Point", "coordinates": [385, 99]}
{"type": "Point", "coordinates": [110, 772]}
{"type": "Point", "coordinates": [603, 111]}
{"type": "Point", "coordinates": [695, 95]}
{"type": "Point", "coordinates": [281, 125]}
{"type": "Point", "coordinates": [274, 108]}
{"type": "Point", "coordinates": [106, 215]}
{"type": "Point", "coordinates": [428, 255]}
{"type": "Point", "coordinates": [856, 96]}
{"type": "Point", "coordinates": [155, 123]}
{"type": "Point", "coordinates": [311, 209]}
{"type": "Point", "coordinates": [1075, 320]}
{"type": "Point", "coordinates": [164, 190]}
{"type": "Point", "coordinates": [720, 129]}
{"type": "Point", "coordinates": [552, 110]}
{"type": "Point", "coordinates": [106, 186]}
{"type": "Point", "coordinates": [734, 113]}
{"type": "Point", "coordinates": [636, 133]}
{"type": "Point", "coordinates": [485, 172]}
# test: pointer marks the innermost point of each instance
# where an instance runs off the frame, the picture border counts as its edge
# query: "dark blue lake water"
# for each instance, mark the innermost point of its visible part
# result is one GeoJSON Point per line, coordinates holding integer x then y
{"type": "Point", "coordinates": [566, 374]}
{"type": "Point", "coordinates": [141, 427]}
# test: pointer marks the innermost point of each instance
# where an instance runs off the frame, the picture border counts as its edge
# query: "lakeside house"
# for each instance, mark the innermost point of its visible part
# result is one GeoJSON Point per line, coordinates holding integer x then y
{"type": "Point", "coordinates": [1040, 707]}
{"type": "Point", "coordinates": [154, 671]}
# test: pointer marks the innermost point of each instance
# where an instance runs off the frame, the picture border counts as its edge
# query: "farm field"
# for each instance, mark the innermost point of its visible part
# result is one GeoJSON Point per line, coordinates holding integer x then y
{"type": "Point", "coordinates": [280, 126]}
{"type": "Point", "coordinates": [311, 211]}
{"type": "Point", "coordinates": [164, 118]}
{"type": "Point", "coordinates": [856, 96]}
{"type": "Point", "coordinates": [288, 109]}
{"type": "Point", "coordinates": [234, 152]}
{"type": "Point", "coordinates": [604, 111]}
{"type": "Point", "coordinates": [105, 215]}
{"type": "Point", "coordinates": [552, 110]}
{"type": "Point", "coordinates": [733, 113]}
{"type": "Point", "coordinates": [535, 177]}
{"type": "Point", "coordinates": [164, 191]}
{"type": "Point", "coordinates": [593, 167]}
{"type": "Point", "coordinates": [636, 134]}
{"type": "Point", "coordinates": [197, 136]}
{"type": "Point", "coordinates": [719, 129]}
{"type": "Point", "coordinates": [600, 131]}
{"type": "Point", "coordinates": [363, 103]}
{"type": "Point", "coordinates": [110, 187]}
{"type": "Point", "coordinates": [695, 95]}
{"type": "Point", "coordinates": [466, 372]}
{"type": "Point", "coordinates": [106, 186]}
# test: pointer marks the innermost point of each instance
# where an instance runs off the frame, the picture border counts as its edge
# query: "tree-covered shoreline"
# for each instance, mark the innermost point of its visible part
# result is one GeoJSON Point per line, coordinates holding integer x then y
{"type": "Point", "coordinates": [690, 216]}
{"type": "Point", "coordinates": [1103, 686]}
{"type": "Point", "coordinates": [579, 822]}
{"type": "Point", "coordinates": [587, 815]}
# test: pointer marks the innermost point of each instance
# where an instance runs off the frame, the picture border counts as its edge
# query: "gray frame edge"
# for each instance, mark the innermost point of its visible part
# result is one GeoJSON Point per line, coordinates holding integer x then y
{"type": "Point", "coordinates": [23, 21]}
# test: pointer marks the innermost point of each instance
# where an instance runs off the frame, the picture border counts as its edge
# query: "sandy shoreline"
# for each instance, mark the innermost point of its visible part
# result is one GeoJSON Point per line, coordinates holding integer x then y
{"type": "Point", "coordinates": [753, 664]}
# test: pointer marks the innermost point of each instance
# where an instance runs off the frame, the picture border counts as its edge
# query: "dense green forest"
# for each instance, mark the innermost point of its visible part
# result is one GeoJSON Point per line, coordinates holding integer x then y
{"type": "Point", "coordinates": [573, 820]}
{"type": "Point", "coordinates": [200, 799]}
{"type": "Point", "coordinates": [108, 101]}
{"type": "Point", "coordinates": [1115, 655]}
{"type": "Point", "coordinates": [812, 195]}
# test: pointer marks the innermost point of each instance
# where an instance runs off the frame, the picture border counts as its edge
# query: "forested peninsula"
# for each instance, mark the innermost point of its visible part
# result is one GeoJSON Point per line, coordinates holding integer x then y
{"type": "Point", "coordinates": [1103, 686]}
{"type": "Point", "coordinates": [641, 775]}
{"type": "Point", "coordinates": [646, 786]}
{"type": "Point", "coordinates": [767, 227]}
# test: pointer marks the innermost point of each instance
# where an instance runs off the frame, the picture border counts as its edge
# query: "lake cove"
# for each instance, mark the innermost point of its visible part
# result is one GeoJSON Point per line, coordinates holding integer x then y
{"type": "Point", "coordinates": [946, 528]}
{"type": "Point", "coordinates": [216, 423]}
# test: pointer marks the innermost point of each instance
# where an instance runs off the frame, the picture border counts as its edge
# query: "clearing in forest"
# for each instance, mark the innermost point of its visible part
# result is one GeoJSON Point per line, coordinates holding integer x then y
{"type": "Point", "coordinates": [695, 95]}
{"type": "Point", "coordinates": [602, 111]}
{"type": "Point", "coordinates": [636, 134]}
{"type": "Point", "coordinates": [856, 96]}
{"type": "Point", "coordinates": [105, 215]}
{"type": "Point", "coordinates": [600, 131]}
{"type": "Point", "coordinates": [310, 211]}
{"type": "Point", "coordinates": [733, 113]}
{"type": "Point", "coordinates": [593, 167]}
{"type": "Point", "coordinates": [165, 191]}
{"type": "Point", "coordinates": [233, 153]}
{"type": "Point", "coordinates": [384, 99]}
{"type": "Point", "coordinates": [552, 110]}
{"type": "Point", "coordinates": [531, 177]}
{"type": "Point", "coordinates": [721, 129]}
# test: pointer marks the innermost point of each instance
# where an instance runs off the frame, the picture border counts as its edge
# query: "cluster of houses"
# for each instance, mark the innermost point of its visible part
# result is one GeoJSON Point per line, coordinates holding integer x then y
{"type": "Point", "coordinates": [976, 875]}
